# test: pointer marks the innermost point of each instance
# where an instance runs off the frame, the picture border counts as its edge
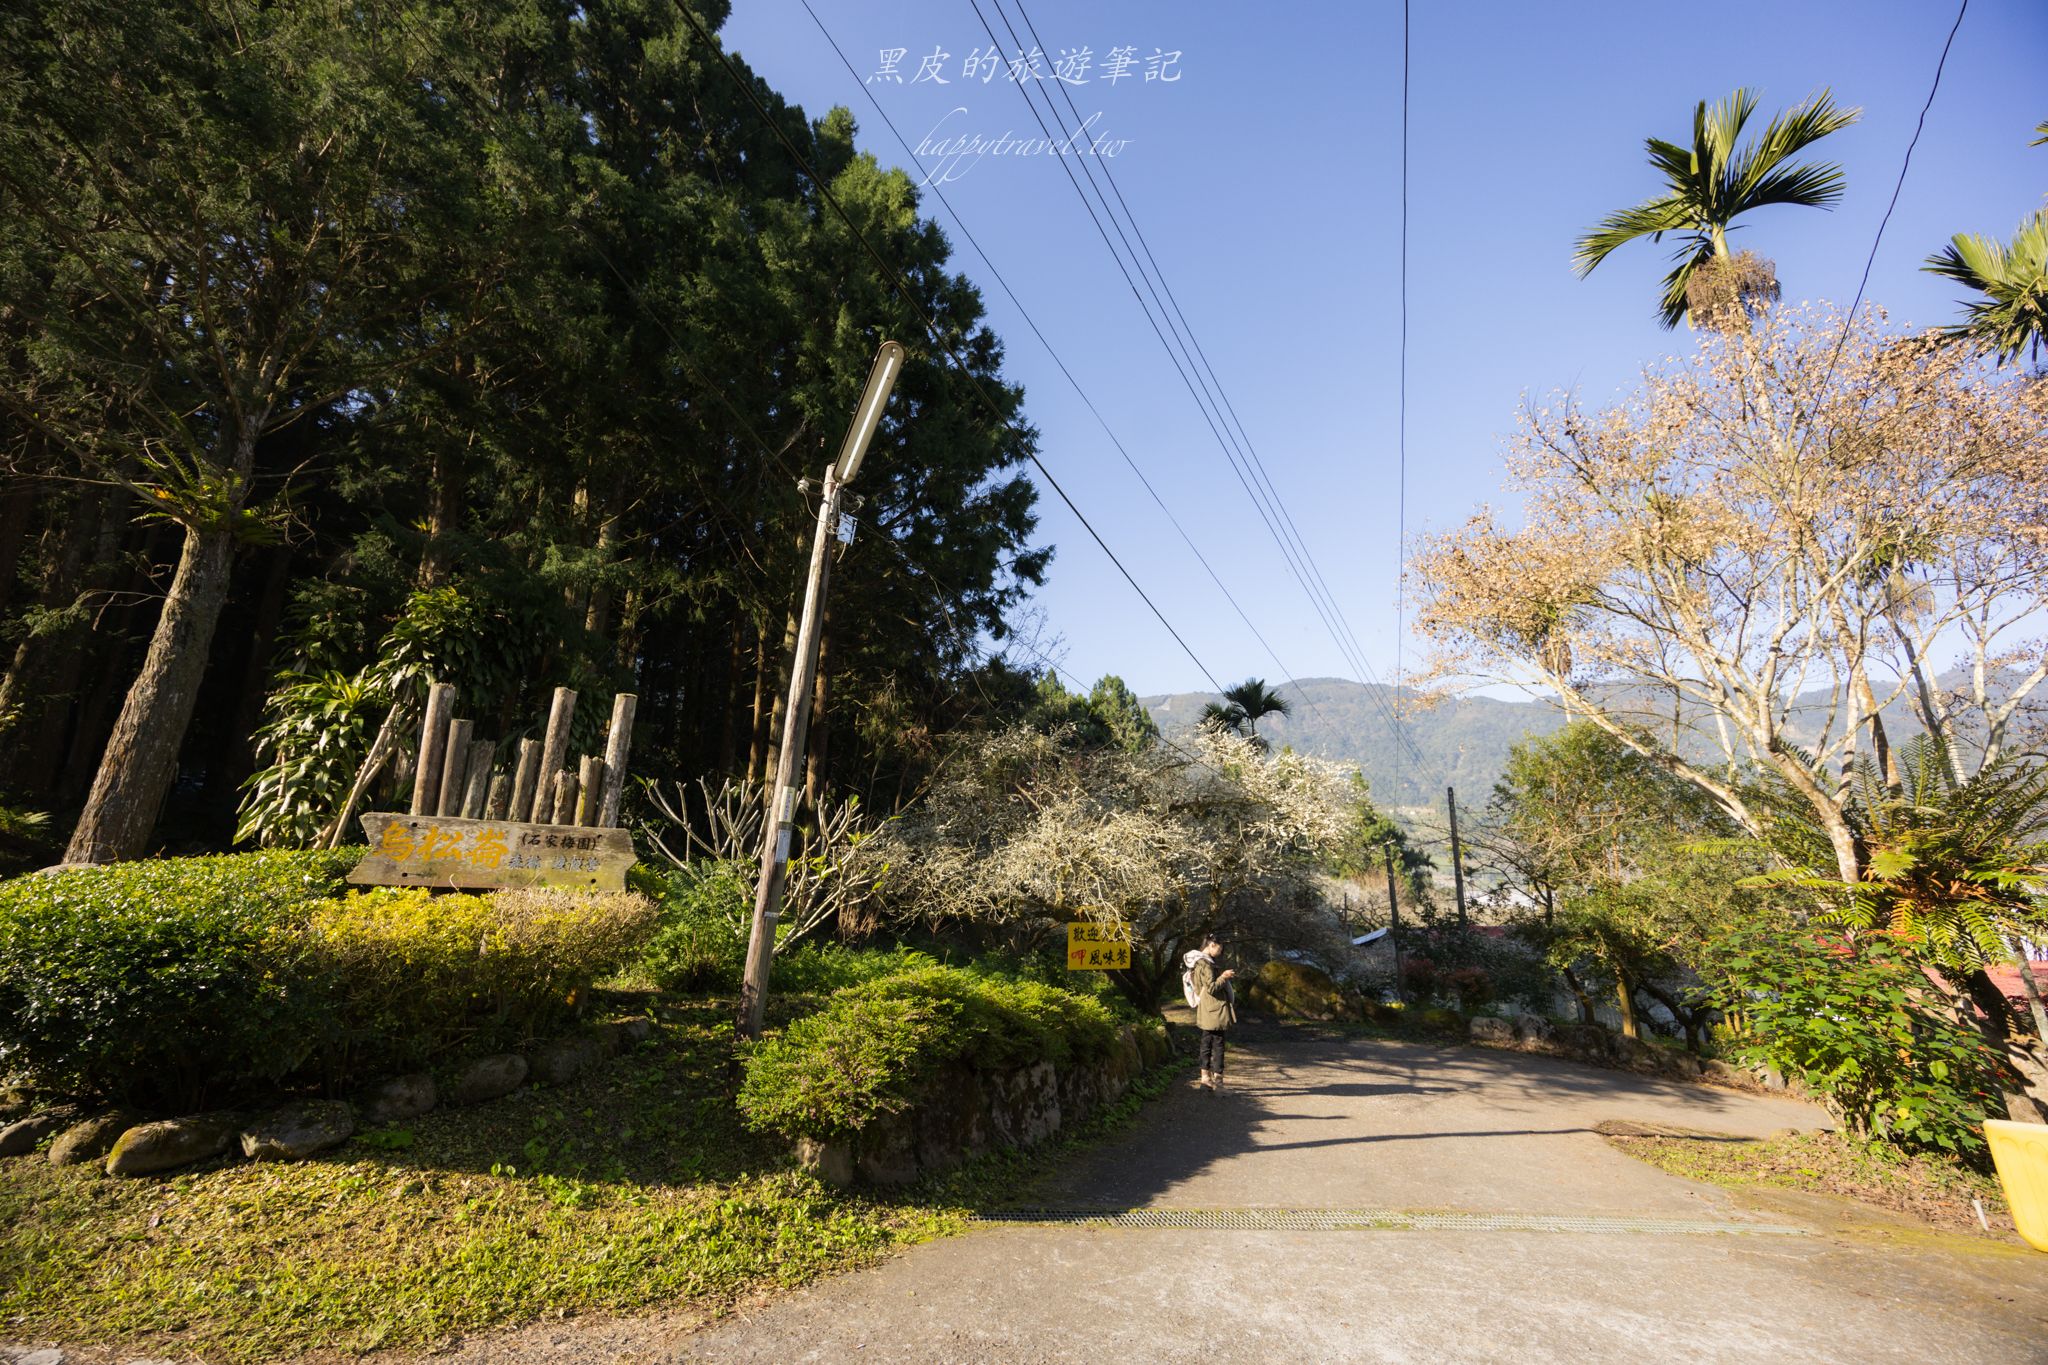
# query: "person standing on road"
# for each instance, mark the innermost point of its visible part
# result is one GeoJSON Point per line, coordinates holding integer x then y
{"type": "Point", "coordinates": [1215, 1010]}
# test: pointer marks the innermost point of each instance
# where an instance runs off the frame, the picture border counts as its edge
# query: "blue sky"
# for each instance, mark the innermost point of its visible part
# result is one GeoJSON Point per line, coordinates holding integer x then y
{"type": "Point", "coordinates": [1266, 181]}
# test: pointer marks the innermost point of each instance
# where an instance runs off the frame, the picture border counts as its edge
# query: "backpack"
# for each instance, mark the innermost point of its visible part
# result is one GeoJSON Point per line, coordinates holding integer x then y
{"type": "Point", "coordinates": [1187, 976]}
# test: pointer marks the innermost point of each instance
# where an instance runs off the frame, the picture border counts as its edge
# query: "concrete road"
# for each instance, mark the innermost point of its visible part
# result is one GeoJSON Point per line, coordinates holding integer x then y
{"type": "Point", "coordinates": [1309, 1121]}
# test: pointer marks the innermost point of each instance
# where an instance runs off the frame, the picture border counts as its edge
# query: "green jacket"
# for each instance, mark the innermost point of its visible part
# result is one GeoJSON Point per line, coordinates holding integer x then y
{"type": "Point", "coordinates": [1215, 1001]}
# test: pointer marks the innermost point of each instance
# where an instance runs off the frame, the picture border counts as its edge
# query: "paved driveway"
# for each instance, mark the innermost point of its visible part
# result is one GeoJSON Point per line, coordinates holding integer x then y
{"type": "Point", "coordinates": [1312, 1122]}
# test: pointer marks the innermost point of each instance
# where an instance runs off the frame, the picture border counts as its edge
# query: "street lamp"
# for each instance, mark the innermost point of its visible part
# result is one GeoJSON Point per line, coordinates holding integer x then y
{"type": "Point", "coordinates": [797, 710]}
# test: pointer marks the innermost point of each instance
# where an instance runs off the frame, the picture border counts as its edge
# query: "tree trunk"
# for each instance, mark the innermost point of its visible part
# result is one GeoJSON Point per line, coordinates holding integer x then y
{"type": "Point", "coordinates": [447, 476]}
{"type": "Point", "coordinates": [1578, 990]}
{"type": "Point", "coordinates": [818, 736]}
{"type": "Point", "coordinates": [141, 760]}
{"type": "Point", "coordinates": [757, 743]}
{"type": "Point", "coordinates": [1627, 997]}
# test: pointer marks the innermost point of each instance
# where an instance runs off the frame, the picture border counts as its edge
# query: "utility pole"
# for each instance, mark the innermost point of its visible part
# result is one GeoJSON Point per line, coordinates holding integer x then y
{"type": "Point", "coordinates": [1457, 856]}
{"type": "Point", "coordinates": [782, 797]}
{"type": "Point", "coordinates": [1394, 924]}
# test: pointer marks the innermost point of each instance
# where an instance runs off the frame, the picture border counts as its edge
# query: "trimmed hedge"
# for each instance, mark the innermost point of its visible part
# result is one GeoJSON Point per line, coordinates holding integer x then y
{"type": "Point", "coordinates": [157, 979]}
{"type": "Point", "coordinates": [872, 1047]}
{"type": "Point", "coordinates": [183, 982]}
{"type": "Point", "coordinates": [406, 976]}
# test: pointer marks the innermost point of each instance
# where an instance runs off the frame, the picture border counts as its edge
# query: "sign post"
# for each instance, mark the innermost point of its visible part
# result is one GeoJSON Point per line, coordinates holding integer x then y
{"type": "Point", "coordinates": [1093, 947]}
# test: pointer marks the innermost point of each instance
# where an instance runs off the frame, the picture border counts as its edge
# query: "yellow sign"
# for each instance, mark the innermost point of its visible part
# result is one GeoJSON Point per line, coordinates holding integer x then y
{"type": "Point", "coordinates": [443, 851]}
{"type": "Point", "coordinates": [1093, 947]}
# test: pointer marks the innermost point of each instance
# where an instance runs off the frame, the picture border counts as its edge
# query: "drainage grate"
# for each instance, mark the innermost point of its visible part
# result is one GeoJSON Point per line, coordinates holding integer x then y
{"type": "Point", "coordinates": [1368, 1220]}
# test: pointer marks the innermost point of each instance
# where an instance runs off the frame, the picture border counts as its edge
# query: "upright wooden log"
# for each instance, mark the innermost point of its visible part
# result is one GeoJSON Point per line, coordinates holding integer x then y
{"type": "Point", "coordinates": [563, 812]}
{"type": "Point", "coordinates": [499, 806]}
{"type": "Point", "coordinates": [524, 779]}
{"type": "Point", "coordinates": [591, 779]}
{"type": "Point", "coordinates": [476, 789]}
{"type": "Point", "coordinates": [426, 773]}
{"type": "Point", "coordinates": [554, 750]}
{"type": "Point", "coordinates": [618, 744]}
{"type": "Point", "coordinates": [454, 768]}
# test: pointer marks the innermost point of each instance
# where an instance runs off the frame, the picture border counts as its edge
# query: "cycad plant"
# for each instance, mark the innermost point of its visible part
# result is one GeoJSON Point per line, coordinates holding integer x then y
{"type": "Point", "coordinates": [1958, 868]}
{"type": "Point", "coordinates": [1712, 182]}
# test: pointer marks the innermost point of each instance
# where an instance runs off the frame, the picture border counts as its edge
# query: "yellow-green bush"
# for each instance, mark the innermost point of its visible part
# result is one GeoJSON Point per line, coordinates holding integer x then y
{"type": "Point", "coordinates": [179, 982]}
{"type": "Point", "coordinates": [410, 976]}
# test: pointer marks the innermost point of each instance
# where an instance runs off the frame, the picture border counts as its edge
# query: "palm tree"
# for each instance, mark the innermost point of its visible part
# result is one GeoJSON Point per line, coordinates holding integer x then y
{"type": "Point", "coordinates": [1250, 701]}
{"type": "Point", "coordinates": [2013, 277]}
{"type": "Point", "coordinates": [1711, 183]}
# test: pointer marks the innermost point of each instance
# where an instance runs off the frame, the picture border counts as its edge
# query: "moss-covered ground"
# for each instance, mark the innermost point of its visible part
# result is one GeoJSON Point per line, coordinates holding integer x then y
{"type": "Point", "coordinates": [1941, 1192]}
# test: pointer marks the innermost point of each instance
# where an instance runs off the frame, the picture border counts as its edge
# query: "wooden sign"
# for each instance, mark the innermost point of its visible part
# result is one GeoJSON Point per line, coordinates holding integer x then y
{"type": "Point", "coordinates": [449, 851]}
{"type": "Point", "coordinates": [1093, 947]}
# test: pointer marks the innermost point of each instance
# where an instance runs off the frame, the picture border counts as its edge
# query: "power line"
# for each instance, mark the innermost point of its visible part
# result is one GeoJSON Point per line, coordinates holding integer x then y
{"type": "Point", "coordinates": [1850, 319]}
{"type": "Point", "coordinates": [1401, 406]}
{"type": "Point", "coordinates": [1057, 360]}
{"type": "Point", "coordinates": [1215, 382]}
{"type": "Point", "coordinates": [1239, 466]}
{"type": "Point", "coordinates": [931, 326]}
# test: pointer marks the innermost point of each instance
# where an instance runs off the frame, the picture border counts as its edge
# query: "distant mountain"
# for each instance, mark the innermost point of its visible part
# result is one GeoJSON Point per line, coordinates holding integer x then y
{"type": "Point", "coordinates": [1464, 742]}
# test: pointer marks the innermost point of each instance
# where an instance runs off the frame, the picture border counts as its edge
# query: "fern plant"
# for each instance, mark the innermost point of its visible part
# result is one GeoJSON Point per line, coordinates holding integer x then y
{"type": "Point", "coordinates": [1957, 867]}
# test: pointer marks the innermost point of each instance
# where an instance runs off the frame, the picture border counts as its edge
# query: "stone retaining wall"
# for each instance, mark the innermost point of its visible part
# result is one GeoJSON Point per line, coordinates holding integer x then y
{"type": "Point", "coordinates": [964, 1112]}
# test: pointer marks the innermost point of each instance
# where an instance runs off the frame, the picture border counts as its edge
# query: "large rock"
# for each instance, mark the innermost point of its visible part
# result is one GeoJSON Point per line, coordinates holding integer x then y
{"type": "Point", "coordinates": [22, 1136]}
{"type": "Point", "coordinates": [400, 1098]}
{"type": "Point", "coordinates": [92, 1139]}
{"type": "Point", "coordinates": [1024, 1104]}
{"type": "Point", "coordinates": [1154, 1047]}
{"type": "Point", "coordinates": [1534, 1030]}
{"type": "Point", "coordinates": [888, 1150]}
{"type": "Point", "coordinates": [559, 1062]}
{"type": "Point", "coordinates": [1723, 1073]}
{"type": "Point", "coordinates": [1586, 1040]}
{"type": "Point", "coordinates": [489, 1077]}
{"type": "Point", "coordinates": [830, 1161]}
{"type": "Point", "coordinates": [951, 1120]}
{"type": "Point", "coordinates": [296, 1131]}
{"type": "Point", "coordinates": [1498, 1032]}
{"type": "Point", "coordinates": [622, 1034]}
{"type": "Point", "coordinates": [1295, 990]}
{"type": "Point", "coordinates": [169, 1143]}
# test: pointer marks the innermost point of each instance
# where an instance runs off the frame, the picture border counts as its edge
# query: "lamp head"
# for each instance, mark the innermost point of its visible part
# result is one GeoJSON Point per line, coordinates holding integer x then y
{"type": "Point", "coordinates": [868, 416]}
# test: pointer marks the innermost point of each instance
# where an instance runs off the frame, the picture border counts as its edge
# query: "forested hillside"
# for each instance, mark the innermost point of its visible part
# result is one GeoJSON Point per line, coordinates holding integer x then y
{"type": "Point", "coordinates": [486, 341]}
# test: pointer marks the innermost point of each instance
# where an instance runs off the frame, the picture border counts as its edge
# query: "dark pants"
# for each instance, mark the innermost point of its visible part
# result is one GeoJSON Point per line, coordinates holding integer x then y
{"type": "Point", "coordinates": [1212, 1050]}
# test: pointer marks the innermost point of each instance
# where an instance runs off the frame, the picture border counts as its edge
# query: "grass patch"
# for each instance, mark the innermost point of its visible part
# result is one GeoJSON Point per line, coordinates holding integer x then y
{"type": "Point", "coordinates": [638, 1184]}
{"type": "Point", "coordinates": [1933, 1189]}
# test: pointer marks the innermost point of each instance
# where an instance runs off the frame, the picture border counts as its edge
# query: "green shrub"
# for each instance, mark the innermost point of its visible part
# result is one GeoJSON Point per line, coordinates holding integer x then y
{"type": "Point", "coordinates": [181, 982]}
{"type": "Point", "coordinates": [836, 1071]}
{"type": "Point", "coordinates": [822, 968]}
{"type": "Point", "coordinates": [700, 946]}
{"type": "Point", "coordinates": [872, 1047]}
{"type": "Point", "coordinates": [1859, 1025]}
{"type": "Point", "coordinates": [407, 976]}
{"type": "Point", "coordinates": [162, 980]}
